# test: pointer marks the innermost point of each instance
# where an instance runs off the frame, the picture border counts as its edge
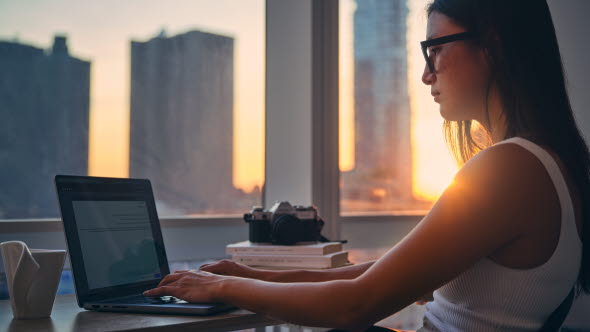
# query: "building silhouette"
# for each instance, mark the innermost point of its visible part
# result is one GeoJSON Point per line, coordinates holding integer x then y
{"type": "Point", "coordinates": [181, 138]}
{"type": "Point", "coordinates": [44, 110]}
{"type": "Point", "coordinates": [383, 159]}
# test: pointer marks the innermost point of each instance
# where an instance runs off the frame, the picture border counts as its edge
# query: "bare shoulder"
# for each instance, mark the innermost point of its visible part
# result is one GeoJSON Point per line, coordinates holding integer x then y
{"type": "Point", "coordinates": [510, 183]}
{"type": "Point", "coordinates": [509, 163]}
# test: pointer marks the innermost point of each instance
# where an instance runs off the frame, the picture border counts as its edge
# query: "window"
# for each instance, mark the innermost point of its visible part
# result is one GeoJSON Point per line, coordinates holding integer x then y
{"type": "Point", "coordinates": [170, 91]}
{"type": "Point", "coordinates": [393, 157]}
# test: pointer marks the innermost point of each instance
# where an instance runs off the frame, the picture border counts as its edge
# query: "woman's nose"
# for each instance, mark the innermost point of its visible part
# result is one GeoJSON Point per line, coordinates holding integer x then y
{"type": "Point", "coordinates": [428, 78]}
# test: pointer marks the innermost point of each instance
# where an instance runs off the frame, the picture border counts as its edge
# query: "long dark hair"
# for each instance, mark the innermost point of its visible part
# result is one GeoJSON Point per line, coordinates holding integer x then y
{"type": "Point", "coordinates": [524, 56]}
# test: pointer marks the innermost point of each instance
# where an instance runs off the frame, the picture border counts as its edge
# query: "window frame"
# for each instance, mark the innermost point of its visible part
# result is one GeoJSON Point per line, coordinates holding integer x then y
{"type": "Point", "coordinates": [323, 107]}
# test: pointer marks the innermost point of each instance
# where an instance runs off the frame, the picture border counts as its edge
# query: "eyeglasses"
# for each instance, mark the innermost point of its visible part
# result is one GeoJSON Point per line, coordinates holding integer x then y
{"type": "Point", "coordinates": [426, 50]}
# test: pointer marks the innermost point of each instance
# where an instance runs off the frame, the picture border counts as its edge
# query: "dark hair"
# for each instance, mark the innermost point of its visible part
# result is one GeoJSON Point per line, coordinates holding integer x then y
{"type": "Point", "coordinates": [524, 56]}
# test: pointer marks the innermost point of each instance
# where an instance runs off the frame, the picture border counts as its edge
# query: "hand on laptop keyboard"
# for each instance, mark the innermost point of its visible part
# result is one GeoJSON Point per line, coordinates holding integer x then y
{"type": "Point", "coordinates": [163, 300]}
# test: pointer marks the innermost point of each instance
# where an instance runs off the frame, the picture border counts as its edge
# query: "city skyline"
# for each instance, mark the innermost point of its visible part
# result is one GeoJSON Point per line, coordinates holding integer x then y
{"type": "Point", "coordinates": [182, 90]}
{"type": "Point", "coordinates": [109, 127]}
{"type": "Point", "coordinates": [382, 175]}
{"type": "Point", "coordinates": [108, 49]}
{"type": "Point", "coordinates": [45, 133]}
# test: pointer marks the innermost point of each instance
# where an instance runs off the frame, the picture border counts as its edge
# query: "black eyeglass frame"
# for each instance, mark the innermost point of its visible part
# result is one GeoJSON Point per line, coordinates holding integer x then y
{"type": "Point", "coordinates": [443, 40]}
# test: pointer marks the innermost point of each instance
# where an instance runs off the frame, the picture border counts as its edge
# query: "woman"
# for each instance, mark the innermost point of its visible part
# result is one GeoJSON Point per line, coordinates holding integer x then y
{"type": "Point", "coordinates": [502, 247]}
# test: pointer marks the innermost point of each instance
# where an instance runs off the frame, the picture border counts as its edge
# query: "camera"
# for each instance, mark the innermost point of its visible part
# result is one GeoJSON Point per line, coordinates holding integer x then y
{"type": "Point", "coordinates": [284, 224]}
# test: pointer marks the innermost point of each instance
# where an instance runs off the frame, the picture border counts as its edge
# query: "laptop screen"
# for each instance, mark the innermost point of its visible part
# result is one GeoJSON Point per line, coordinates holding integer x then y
{"type": "Point", "coordinates": [113, 233]}
{"type": "Point", "coordinates": [116, 236]}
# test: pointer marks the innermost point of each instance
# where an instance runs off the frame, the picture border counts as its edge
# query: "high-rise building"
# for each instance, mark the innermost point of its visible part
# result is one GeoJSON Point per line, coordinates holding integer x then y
{"type": "Point", "coordinates": [383, 162]}
{"type": "Point", "coordinates": [182, 99]}
{"type": "Point", "coordinates": [44, 111]}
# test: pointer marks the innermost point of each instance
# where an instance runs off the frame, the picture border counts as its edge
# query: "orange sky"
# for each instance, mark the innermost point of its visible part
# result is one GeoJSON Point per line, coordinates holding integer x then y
{"type": "Point", "coordinates": [433, 167]}
{"type": "Point", "coordinates": [108, 49]}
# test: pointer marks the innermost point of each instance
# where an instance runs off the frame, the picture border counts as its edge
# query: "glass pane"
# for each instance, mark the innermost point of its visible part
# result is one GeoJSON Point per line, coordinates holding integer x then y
{"type": "Point", "coordinates": [171, 91]}
{"type": "Point", "coordinates": [393, 157]}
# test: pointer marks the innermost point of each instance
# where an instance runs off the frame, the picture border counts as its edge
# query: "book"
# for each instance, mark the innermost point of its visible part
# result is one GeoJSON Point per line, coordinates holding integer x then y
{"type": "Point", "coordinates": [319, 249]}
{"type": "Point", "coordinates": [336, 259]}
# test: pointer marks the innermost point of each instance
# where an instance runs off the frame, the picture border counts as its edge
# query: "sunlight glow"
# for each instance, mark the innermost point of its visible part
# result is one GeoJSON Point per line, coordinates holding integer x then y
{"type": "Point", "coordinates": [107, 47]}
{"type": "Point", "coordinates": [433, 165]}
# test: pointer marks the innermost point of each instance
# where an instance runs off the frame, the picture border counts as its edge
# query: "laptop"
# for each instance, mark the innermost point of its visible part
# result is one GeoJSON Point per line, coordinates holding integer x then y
{"type": "Point", "coordinates": [116, 248]}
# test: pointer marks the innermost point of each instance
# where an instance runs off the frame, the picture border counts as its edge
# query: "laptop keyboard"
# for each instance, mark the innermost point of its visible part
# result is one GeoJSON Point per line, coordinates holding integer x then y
{"type": "Point", "coordinates": [140, 299]}
{"type": "Point", "coordinates": [162, 300]}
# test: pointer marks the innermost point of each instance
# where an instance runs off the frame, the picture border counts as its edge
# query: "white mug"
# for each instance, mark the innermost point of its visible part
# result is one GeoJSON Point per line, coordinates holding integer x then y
{"type": "Point", "coordinates": [32, 276]}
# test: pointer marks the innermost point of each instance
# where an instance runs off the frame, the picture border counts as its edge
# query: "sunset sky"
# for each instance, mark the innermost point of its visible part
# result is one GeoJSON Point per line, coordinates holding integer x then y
{"type": "Point", "coordinates": [100, 31]}
{"type": "Point", "coordinates": [432, 164]}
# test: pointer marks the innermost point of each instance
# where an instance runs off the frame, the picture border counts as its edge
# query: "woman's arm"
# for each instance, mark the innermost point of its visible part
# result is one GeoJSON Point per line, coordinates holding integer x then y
{"type": "Point", "coordinates": [304, 303]}
{"type": "Point", "coordinates": [340, 273]}
{"type": "Point", "coordinates": [477, 214]}
{"type": "Point", "coordinates": [231, 268]}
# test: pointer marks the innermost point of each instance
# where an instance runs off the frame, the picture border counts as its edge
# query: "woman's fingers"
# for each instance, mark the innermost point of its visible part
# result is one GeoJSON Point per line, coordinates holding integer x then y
{"type": "Point", "coordinates": [208, 268]}
{"type": "Point", "coordinates": [184, 271]}
{"type": "Point", "coordinates": [162, 291]}
{"type": "Point", "coordinates": [170, 278]}
{"type": "Point", "coordinates": [192, 286]}
{"type": "Point", "coordinates": [215, 268]}
{"type": "Point", "coordinates": [224, 267]}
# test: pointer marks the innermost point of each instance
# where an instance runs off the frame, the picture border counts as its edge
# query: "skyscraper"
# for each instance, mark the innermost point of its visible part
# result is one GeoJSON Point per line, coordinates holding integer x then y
{"type": "Point", "coordinates": [182, 120]}
{"type": "Point", "coordinates": [383, 161]}
{"type": "Point", "coordinates": [44, 110]}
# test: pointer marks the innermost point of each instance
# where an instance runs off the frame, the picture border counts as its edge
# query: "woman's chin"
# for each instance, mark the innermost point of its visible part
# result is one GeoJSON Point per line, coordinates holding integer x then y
{"type": "Point", "coordinates": [444, 113]}
{"type": "Point", "coordinates": [449, 115]}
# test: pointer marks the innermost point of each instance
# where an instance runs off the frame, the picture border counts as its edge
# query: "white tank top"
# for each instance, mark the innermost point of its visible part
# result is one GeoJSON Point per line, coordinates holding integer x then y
{"type": "Point", "coordinates": [492, 297]}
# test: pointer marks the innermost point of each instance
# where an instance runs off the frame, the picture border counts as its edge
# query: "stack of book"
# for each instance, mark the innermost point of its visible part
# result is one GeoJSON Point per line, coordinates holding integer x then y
{"type": "Point", "coordinates": [323, 255]}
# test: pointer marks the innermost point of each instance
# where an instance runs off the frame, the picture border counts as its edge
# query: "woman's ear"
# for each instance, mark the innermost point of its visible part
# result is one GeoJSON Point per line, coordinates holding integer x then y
{"type": "Point", "coordinates": [486, 56]}
{"type": "Point", "coordinates": [492, 47]}
{"type": "Point", "coordinates": [493, 43]}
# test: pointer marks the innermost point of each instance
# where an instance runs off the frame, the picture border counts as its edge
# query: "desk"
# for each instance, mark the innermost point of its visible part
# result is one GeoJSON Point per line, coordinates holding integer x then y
{"type": "Point", "coordinates": [67, 316]}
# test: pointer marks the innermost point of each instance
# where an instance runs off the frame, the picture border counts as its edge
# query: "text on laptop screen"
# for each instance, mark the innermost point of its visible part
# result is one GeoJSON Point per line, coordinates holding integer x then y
{"type": "Point", "coordinates": [116, 241]}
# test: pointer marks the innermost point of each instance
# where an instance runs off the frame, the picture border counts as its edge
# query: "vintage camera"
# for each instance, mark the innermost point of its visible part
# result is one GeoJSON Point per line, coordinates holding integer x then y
{"type": "Point", "coordinates": [284, 224]}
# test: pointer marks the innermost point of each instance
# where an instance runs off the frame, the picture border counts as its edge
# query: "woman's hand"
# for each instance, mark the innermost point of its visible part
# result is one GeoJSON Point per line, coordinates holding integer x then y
{"type": "Point", "coordinates": [192, 286]}
{"type": "Point", "coordinates": [228, 267]}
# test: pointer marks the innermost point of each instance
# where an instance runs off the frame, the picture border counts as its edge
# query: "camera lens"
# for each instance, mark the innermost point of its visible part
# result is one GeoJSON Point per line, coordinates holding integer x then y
{"type": "Point", "coordinates": [287, 230]}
